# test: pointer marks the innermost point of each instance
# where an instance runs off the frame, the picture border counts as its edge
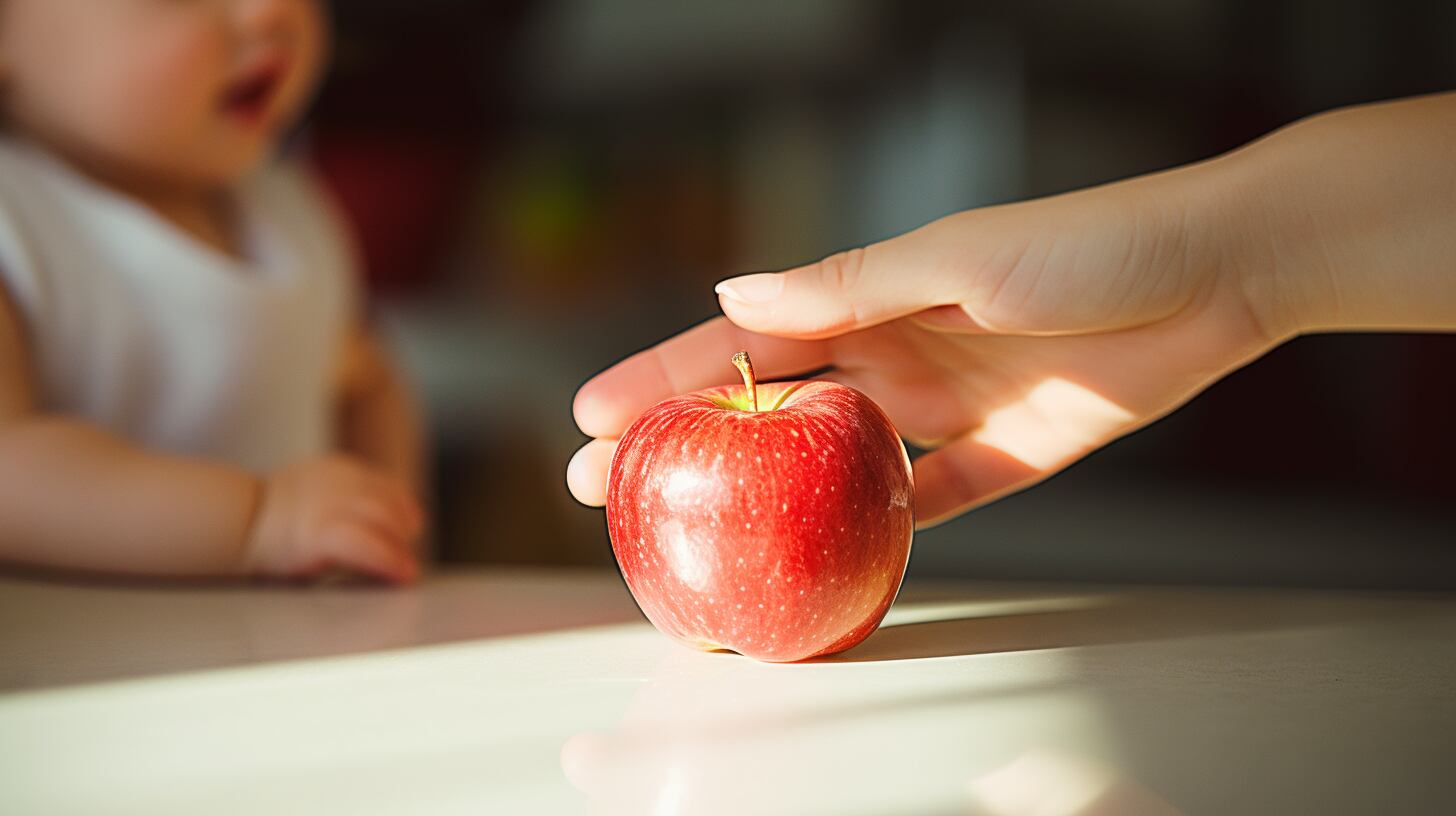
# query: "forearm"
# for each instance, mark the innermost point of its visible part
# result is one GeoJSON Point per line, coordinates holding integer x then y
{"type": "Point", "coordinates": [74, 497]}
{"type": "Point", "coordinates": [1347, 220]}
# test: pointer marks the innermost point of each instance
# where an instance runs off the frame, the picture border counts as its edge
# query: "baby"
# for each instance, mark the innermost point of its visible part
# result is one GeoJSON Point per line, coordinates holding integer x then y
{"type": "Point", "coordinates": [185, 387]}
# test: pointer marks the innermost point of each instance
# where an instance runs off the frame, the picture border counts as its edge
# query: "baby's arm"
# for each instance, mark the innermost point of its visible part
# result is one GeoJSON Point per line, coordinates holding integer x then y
{"type": "Point", "coordinates": [75, 497]}
{"type": "Point", "coordinates": [379, 420]}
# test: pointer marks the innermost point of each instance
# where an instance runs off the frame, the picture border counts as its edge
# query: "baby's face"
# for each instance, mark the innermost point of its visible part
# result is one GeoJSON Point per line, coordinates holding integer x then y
{"type": "Point", "coordinates": [171, 91]}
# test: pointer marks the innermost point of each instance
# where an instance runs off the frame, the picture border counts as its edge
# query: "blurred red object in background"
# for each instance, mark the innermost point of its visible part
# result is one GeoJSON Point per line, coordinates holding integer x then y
{"type": "Point", "coordinates": [402, 195]}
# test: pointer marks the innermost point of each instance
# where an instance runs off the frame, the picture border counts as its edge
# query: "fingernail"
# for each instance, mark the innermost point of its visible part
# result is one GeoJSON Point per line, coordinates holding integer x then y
{"type": "Point", "coordinates": [758, 288]}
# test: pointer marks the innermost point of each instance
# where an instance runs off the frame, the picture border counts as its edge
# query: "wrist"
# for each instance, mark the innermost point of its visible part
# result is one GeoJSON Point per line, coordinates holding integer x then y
{"type": "Point", "coordinates": [1342, 221]}
{"type": "Point", "coordinates": [1250, 228]}
{"type": "Point", "coordinates": [260, 534]}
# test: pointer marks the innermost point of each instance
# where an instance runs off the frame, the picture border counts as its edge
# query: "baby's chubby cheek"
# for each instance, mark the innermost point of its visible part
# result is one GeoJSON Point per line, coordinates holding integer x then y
{"type": "Point", "coordinates": [140, 86]}
{"type": "Point", "coordinates": [162, 109]}
{"type": "Point", "coordinates": [146, 102]}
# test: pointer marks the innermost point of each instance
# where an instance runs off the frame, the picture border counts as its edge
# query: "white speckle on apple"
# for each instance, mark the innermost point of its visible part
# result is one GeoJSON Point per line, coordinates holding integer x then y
{"type": "Point", "coordinates": [804, 454]}
{"type": "Point", "coordinates": [737, 606]}
{"type": "Point", "coordinates": [831, 488]}
{"type": "Point", "coordinates": [801, 592]}
{"type": "Point", "coordinates": [743, 589]}
{"type": "Point", "coordinates": [760, 606]}
{"type": "Point", "coordinates": [794, 432]}
{"type": "Point", "coordinates": [740, 480]}
{"type": "Point", "coordinates": [758, 459]}
{"type": "Point", "coordinates": [748, 525]}
{"type": "Point", "coordinates": [783, 507]}
{"type": "Point", "coordinates": [740, 559]}
{"type": "Point", "coordinates": [781, 608]}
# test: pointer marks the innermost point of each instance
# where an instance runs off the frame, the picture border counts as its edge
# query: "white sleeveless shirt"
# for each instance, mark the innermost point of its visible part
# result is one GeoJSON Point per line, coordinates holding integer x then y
{"type": "Point", "coordinates": [137, 327]}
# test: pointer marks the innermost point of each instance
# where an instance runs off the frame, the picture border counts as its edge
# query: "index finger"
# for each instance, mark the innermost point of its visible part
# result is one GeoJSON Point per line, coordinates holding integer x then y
{"type": "Point", "coordinates": [697, 358]}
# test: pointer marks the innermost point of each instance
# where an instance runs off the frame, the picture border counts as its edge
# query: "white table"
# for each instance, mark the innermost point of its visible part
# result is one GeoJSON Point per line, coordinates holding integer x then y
{"type": "Point", "coordinates": [514, 692]}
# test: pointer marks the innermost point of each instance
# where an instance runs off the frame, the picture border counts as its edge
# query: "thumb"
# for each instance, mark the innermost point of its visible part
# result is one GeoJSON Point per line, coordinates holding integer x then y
{"type": "Point", "coordinates": [850, 290]}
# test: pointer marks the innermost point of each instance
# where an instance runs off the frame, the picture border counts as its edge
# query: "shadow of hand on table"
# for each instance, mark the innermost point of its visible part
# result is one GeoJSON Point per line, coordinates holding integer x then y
{"type": "Point", "coordinates": [945, 630]}
{"type": "Point", "coordinates": [1008, 741]}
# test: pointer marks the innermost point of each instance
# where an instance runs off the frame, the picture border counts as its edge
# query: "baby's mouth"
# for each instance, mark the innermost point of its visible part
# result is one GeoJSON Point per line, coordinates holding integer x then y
{"type": "Point", "coordinates": [248, 98]}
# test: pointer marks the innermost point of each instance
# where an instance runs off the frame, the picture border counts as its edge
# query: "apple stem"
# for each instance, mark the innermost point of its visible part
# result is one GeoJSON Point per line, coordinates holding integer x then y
{"type": "Point", "coordinates": [745, 367]}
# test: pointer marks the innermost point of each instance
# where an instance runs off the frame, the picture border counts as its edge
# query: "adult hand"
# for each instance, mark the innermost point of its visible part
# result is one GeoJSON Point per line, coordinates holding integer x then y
{"type": "Point", "coordinates": [1014, 340]}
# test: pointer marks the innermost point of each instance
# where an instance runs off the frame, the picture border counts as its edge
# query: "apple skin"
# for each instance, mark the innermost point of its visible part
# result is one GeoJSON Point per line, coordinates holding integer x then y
{"type": "Point", "coordinates": [779, 534]}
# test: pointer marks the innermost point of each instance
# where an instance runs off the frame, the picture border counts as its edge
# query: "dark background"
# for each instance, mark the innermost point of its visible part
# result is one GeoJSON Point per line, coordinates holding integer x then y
{"type": "Point", "coordinates": [542, 188]}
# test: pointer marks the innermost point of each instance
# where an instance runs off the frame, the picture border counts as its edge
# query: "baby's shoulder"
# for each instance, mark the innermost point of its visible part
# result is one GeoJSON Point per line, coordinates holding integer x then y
{"type": "Point", "coordinates": [288, 182]}
{"type": "Point", "coordinates": [24, 172]}
{"type": "Point", "coordinates": [289, 194]}
{"type": "Point", "coordinates": [36, 192]}
{"type": "Point", "coordinates": [19, 191]}
{"type": "Point", "coordinates": [20, 196]}
{"type": "Point", "coordinates": [12, 179]}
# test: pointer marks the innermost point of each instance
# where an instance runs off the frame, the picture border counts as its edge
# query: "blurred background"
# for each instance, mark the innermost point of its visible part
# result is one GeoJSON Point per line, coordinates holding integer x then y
{"type": "Point", "coordinates": [542, 188]}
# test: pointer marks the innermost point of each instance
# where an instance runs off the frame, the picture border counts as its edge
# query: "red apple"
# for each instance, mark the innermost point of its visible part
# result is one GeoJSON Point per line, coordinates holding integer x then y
{"type": "Point", "coordinates": [773, 520]}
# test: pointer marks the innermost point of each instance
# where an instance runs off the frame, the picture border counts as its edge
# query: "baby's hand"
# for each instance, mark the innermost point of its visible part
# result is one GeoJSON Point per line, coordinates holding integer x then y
{"type": "Point", "coordinates": [335, 513]}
